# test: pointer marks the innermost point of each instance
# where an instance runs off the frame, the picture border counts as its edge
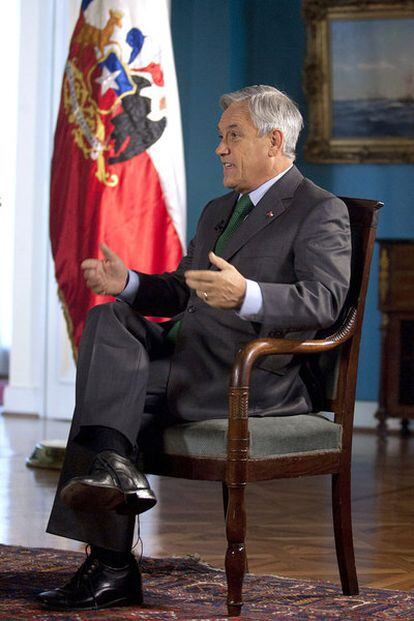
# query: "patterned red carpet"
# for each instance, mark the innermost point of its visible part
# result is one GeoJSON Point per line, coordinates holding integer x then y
{"type": "Point", "coordinates": [185, 589]}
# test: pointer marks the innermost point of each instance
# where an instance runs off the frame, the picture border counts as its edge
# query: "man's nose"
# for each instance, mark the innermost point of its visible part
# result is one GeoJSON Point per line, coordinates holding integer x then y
{"type": "Point", "coordinates": [222, 148]}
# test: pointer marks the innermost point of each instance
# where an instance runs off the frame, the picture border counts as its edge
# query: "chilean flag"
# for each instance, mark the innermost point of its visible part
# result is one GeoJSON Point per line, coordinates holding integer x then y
{"type": "Point", "coordinates": [118, 165]}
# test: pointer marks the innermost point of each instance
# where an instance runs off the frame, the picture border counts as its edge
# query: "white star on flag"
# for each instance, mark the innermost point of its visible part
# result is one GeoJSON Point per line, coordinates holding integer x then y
{"type": "Point", "coordinates": [108, 80]}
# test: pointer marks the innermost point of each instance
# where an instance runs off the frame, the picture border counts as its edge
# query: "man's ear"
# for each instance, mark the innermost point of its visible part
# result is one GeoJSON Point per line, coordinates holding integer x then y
{"type": "Point", "coordinates": [276, 142]}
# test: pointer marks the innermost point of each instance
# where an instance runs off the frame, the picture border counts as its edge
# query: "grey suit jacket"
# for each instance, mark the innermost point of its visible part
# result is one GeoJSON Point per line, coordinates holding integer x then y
{"type": "Point", "coordinates": [296, 244]}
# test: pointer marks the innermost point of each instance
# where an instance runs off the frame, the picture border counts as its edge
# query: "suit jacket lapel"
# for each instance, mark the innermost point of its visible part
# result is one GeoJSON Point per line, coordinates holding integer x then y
{"type": "Point", "coordinates": [276, 200]}
{"type": "Point", "coordinates": [213, 232]}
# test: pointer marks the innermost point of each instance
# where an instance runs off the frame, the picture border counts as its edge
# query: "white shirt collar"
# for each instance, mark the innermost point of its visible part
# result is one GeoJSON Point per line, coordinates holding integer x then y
{"type": "Point", "coordinates": [258, 193]}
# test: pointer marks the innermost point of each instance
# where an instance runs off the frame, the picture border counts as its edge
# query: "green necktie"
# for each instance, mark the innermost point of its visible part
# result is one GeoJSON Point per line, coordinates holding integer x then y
{"type": "Point", "coordinates": [243, 206]}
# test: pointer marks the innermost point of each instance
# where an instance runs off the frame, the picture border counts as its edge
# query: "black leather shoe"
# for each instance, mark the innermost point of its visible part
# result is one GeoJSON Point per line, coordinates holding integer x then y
{"type": "Point", "coordinates": [113, 483]}
{"type": "Point", "coordinates": [96, 585]}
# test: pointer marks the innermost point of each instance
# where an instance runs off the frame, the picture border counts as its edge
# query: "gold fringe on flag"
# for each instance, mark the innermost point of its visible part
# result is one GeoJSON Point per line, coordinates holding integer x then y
{"type": "Point", "coordinates": [69, 324]}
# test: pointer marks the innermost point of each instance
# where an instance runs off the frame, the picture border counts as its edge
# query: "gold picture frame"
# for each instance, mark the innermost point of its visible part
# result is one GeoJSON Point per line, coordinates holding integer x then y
{"type": "Point", "coordinates": [359, 80]}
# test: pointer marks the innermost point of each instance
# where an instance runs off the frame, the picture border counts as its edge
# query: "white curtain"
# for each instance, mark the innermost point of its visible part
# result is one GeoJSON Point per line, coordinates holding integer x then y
{"type": "Point", "coordinates": [36, 55]}
{"type": "Point", "coordinates": [9, 49]}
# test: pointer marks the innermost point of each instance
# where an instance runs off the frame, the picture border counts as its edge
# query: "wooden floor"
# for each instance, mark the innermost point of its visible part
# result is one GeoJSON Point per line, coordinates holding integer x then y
{"type": "Point", "coordinates": [289, 522]}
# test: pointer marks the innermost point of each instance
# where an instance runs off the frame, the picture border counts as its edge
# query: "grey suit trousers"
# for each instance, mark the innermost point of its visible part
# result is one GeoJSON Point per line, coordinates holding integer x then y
{"type": "Point", "coordinates": [122, 375]}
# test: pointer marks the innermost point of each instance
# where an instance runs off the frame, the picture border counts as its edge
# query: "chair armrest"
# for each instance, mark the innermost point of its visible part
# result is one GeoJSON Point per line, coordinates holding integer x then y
{"type": "Point", "coordinates": [257, 348]}
{"type": "Point", "coordinates": [238, 418]}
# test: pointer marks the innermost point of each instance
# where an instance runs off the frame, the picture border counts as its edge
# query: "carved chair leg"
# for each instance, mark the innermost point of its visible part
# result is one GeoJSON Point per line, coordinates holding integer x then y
{"type": "Point", "coordinates": [225, 498]}
{"type": "Point", "coordinates": [342, 518]}
{"type": "Point", "coordinates": [236, 551]}
{"type": "Point", "coordinates": [382, 429]}
{"type": "Point", "coordinates": [405, 428]}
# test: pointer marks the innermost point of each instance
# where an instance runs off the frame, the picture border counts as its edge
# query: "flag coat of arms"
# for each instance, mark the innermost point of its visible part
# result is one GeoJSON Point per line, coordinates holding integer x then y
{"type": "Point", "coordinates": [117, 167]}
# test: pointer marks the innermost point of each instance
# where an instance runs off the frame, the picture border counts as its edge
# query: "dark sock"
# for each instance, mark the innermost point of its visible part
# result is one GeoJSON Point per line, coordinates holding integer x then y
{"type": "Point", "coordinates": [98, 438]}
{"type": "Point", "coordinates": [110, 557]}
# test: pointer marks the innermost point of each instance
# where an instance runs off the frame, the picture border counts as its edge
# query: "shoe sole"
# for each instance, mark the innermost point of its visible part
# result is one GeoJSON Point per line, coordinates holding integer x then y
{"type": "Point", "coordinates": [136, 503]}
{"type": "Point", "coordinates": [88, 497]}
{"type": "Point", "coordinates": [116, 603]}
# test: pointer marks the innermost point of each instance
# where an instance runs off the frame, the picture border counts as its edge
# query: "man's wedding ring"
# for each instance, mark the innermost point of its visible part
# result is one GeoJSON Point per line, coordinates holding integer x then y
{"type": "Point", "coordinates": [205, 295]}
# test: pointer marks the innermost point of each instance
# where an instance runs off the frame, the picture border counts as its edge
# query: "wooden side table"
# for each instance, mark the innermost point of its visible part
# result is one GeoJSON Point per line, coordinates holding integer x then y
{"type": "Point", "coordinates": [396, 303]}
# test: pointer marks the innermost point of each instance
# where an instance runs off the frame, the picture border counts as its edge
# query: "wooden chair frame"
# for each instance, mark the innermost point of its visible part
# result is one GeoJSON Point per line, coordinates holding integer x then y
{"type": "Point", "coordinates": [239, 468]}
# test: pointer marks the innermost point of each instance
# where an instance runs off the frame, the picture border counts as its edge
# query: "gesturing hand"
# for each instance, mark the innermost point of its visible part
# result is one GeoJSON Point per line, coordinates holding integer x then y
{"type": "Point", "coordinates": [105, 276]}
{"type": "Point", "coordinates": [223, 289]}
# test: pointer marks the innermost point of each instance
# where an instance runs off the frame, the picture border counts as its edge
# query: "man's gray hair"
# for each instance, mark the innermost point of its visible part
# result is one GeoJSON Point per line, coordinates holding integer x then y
{"type": "Point", "coordinates": [270, 109]}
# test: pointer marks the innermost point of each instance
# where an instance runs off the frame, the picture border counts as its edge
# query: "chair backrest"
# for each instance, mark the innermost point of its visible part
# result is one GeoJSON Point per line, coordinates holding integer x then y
{"type": "Point", "coordinates": [331, 376]}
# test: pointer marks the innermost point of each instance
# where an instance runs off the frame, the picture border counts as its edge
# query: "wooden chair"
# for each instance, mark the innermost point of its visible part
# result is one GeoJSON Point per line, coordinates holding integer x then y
{"type": "Point", "coordinates": [242, 449]}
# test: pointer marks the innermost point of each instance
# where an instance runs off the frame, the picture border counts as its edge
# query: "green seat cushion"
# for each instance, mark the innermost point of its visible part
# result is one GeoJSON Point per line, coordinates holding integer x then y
{"type": "Point", "coordinates": [269, 435]}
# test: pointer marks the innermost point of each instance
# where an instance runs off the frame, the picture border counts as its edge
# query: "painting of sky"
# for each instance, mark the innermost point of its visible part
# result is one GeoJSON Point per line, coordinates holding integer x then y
{"type": "Point", "coordinates": [372, 63]}
{"type": "Point", "coordinates": [372, 58]}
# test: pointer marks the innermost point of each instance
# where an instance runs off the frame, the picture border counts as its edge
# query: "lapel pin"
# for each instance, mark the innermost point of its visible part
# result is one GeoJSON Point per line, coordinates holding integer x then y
{"type": "Point", "coordinates": [269, 214]}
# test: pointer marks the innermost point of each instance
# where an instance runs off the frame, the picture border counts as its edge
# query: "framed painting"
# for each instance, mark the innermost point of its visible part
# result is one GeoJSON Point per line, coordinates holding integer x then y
{"type": "Point", "coordinates": [359, 80]}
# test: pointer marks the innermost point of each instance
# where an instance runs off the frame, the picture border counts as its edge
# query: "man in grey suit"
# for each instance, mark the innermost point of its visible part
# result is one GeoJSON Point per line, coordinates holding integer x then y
{"type": "Point", "coordinates": [270, 258]}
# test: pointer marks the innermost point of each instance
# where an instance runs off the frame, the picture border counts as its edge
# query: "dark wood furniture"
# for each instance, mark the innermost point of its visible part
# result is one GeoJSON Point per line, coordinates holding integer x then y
{"type": "Point", "coordinates": [396, 303]}
{"type": "Point", "coordinates": [236, 466]}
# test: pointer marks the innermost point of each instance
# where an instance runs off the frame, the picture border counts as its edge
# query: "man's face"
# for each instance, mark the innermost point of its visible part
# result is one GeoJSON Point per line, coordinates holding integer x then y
{"type": "Point", "coordinates": [244, 155]}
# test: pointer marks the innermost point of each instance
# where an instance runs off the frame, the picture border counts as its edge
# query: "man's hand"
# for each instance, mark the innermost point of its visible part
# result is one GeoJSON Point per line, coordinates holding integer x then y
{"type": "Point", "coordinates": [107, 276]}
{"type": "Point", "coordinates": [223, 289]}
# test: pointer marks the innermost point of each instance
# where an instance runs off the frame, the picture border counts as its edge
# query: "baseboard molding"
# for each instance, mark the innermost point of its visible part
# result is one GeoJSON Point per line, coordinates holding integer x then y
{"type": "Point", "coordinates": [364, 417]}
{"type": "Point", "coordinates": [22, 400]}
